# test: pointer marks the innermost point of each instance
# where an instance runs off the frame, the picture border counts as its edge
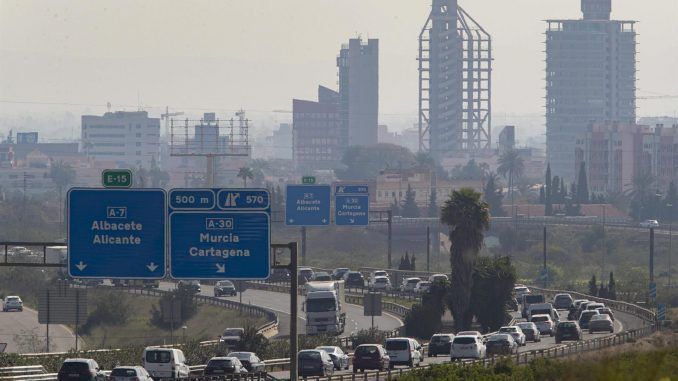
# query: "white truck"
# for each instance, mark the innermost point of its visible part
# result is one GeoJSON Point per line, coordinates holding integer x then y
{"type": "Point", "coordinates": [325, 308]}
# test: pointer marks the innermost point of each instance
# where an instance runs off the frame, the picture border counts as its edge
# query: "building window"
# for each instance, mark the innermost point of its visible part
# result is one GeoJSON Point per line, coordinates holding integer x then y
{"type": "Point", "coordinates": [138, 153]}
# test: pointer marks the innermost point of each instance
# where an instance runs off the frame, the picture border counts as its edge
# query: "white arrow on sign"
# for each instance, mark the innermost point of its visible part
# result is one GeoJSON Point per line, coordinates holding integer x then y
{"type": "Point", "coordinates": [221, 268]}
{"type": "Point", "coordinates": [291, 220]}
{"type": "Point", "coordinates": [152, 266]}
{"type": "Point", "coordinates": [324, 220]}
{"type": "Point", "coordinates": [351, 220]}
{"type": "Point", "coordinates": [81, 266]}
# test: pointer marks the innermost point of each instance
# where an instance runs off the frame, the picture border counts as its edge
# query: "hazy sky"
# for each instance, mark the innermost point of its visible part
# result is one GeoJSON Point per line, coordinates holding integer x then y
{"type": "Point", "coordinates": [259, 55]}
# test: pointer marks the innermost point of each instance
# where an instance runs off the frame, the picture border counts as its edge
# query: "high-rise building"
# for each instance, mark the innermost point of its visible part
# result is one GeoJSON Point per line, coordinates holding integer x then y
{"type": "Point", "coordinates": [358, 64]}
{"type": "Point", "coordinates": [590, 78]}
{"type": "Point", "coordinates": [316, 130]}
{"type": "Point", "coordinates": [125, 139]}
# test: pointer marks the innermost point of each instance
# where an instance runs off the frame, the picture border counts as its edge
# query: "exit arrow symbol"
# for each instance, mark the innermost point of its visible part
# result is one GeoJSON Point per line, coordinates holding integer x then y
{"type": "Point", "coordinates": [291, 220]}
{"type": "Point", "coordinates": [81, 266]}
{"type": "Point", "coordinates": [324, 220]}
{"type": "Point", "coordinates": [351, 220]}
{"type": "Point", "coordinates": [221, 268]}
{"type": "Point", "coordinates": [152, 266]}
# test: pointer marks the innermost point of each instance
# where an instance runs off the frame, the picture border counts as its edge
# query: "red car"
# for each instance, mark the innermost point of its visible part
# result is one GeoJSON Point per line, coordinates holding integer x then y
{"type": "Point", "coordinates": [370, 356]}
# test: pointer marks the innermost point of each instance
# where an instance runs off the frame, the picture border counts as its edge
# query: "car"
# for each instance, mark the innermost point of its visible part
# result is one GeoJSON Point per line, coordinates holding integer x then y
{"type": "Point", "coordinates": [606, 311]}
{"type": "Point", "coordinates": [164, 362]}
{"type": "Point", "coordinates": [249, 360]}
{"type": "Point", "coordinates": [422, 287]}
{"type": "Point", "coordinates": [322, 276]}
{"type": "Point", "coordinates": [377, 273]}
{"type": "Point", "coordinates": [585, 317]}
{"type": "Point", "coordinates": [440, 344]}
{"type": "Point", "coordinates": [338, 273]}
{"type": "Point", "coordinates": [567, 330]}
{"type": "Point", "coordinates": [404, 351]}
{"type": "Point", "coordinates": [223, 365]}
{"type": "Point", "coordinates": [231, 336]}
{"type": "Point", "coordinates": [562, 301]}
{"type": "Point", "coordinates": [354, 279]}
{"type": "Point", "coordinates": [370, 356]}
{"type": "Point", "coordinates": [530, 330]}
{"type": "Point", "coordinates": [224, 287]}
{"type": "Point", "coordinates": [190, 285]}
{"type": "Point", "coordinates": [542, 308]}
{"type": "Point", "coordinates": [339, 358]}
{"type": "Point", "coordinates": [313, 362]}
{"type": "Point", "coordinates": [306, 273]}
{"type": "Point", "coordinates": [467, 346]}
{"type": "Point", "coordinates": [408, 284]}
{"type": "Point", "coordinates": [279, 275]}
{"type": "Point", "coordinates": [574, 309]}
{"type": "Point", "coordinates": [381, 283]}
{"type": "Point", "coordinates": [501, 344]}
{"type": "Point", "coordinates": [544, 323]}
{"type": "Point", "coordinates": [438, 278]}
{"type": "Point", "coordinates": [513, 304]}
{"type": "Point", "coordinates": [516, 332]}
{"type": "Point", "coordinates": [594, 306]}
{"type": "Point", "coordinates": [129, 373]}
{"type": "Point", "coordinates": [649, 224]}
{"type": "Point", "coordinates": [519, 290]}
{"type": "Point", "coordinates": [12, 303]}
{"type": "Point", "coordinates": [80, 369]}
{"type": "Point", "coordinates": [471, 333]}
{"type": "Point", "coordinates": [527, 299]}
{"type": "Point", "coordinates": [600, 323]}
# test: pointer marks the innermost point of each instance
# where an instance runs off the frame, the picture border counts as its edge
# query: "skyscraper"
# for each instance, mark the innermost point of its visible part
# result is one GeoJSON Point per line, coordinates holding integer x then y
{"type": "Point", "coordinates": [590, 78]}
{"type": "Point", "coordinates": [358, 64]}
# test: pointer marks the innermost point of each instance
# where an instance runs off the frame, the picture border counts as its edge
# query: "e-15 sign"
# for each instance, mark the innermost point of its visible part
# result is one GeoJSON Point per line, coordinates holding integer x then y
{"type": "Point", "coordinates": [116, 178]}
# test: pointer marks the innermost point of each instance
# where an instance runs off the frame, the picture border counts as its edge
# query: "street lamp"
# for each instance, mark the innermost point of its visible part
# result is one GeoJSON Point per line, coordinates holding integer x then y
{"type": "Point", "coordinates": [184, 333]}
{"type": "Point", "coordinates": [670, 207]}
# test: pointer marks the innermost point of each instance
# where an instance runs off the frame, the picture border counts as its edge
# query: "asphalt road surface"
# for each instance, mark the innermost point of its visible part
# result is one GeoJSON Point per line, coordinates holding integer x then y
{"type": "Point", "coordinates": [23, 327]}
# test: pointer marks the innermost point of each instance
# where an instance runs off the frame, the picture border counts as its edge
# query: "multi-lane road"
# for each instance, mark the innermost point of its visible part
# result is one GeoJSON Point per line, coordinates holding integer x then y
{"type": "Point", "coordinates": [23, 334]}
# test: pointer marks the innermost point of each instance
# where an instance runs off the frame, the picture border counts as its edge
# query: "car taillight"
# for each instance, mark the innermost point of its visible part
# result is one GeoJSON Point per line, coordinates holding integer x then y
{"type": "Point", "coordinates": [135, 379]}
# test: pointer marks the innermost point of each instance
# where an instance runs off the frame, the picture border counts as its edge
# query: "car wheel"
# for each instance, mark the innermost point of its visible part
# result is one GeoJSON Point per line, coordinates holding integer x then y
{"type": "Point", "coordinates": [611, 330]}
{"type": "Point", "coordinates": [557, 341]}
{"type": "Point", "coordinates": [355, 370]}
{"type": "Point", "coordinates": [590, 331]}
{"type": "Point", "coordinates": [410, 364]}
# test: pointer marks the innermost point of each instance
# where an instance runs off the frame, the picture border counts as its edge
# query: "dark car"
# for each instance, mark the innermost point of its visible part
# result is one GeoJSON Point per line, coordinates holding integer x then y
{"type": "Point", "coordinates": [585, 317]}
{"type": "Point", "coordinates": [568, 330]}
{"type": "Point", "coordinates": [190, 285]}
{"type": "Point", "coordinates": [224, 287]}
{"type": "Point", "coordinates": [314, 362]}
{"type": "Point", "coordinates": [440, 344]}
{"type": "Point", "coordinates": [370, 356]}
{"type": "Point", "coordinates": [249, 360]}
{"type": "Point", "coordinates": [279, 275]}
{"type": "Point", "coordinates": [354, 279]}
{"type": "Point", "coordinates": [512, 304]}
{"type": "Point", "coordinates": [338, 273]}
{"type": "Point", "coordinates": [501, 344]}
{"type": "Point", "coordinates": [223, 365]}
{"type": "Point", "coordinates": [80, 370]}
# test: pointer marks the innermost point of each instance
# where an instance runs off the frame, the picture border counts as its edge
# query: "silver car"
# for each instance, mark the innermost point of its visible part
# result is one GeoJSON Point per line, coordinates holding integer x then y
{"type": "Point", "coordinates": [601, 323]}
{"type": "Point", "coordinates": [129, 373]}
{"type": "Point", "coordinates": [339, 358]}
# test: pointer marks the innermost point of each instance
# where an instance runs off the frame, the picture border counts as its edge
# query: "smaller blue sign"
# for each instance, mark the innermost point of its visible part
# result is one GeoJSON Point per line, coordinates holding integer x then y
{"type": "Point", "coordinates": [307, 205]}
{"type": "Point", "coordinates": [191, 199]}
{"type": "Point", "coordinates": [653, 290]}
{"type": "Point", "coordinates": [351, 189]}
{"type": "Point", "coordinates": [229, 199]}
{"type": "Point", "coordinates": [661, 311]}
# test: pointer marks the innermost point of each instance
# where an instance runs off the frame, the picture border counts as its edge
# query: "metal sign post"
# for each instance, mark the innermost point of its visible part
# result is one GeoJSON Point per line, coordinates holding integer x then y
{"type": "Point", "coordinates": [294, 286]}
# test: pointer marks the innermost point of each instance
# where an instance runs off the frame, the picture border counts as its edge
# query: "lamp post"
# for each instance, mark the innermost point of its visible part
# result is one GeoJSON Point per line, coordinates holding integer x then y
{"type": "Point", "coordinates": [670, 207]}
{"type": "Point", "coordinates": [183, 329]}
{"type": "Point", "coordinates": [602, 268]}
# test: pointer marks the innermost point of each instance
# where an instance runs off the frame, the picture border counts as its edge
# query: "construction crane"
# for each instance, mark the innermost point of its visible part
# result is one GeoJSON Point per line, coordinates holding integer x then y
{"type": "Point", "coordinates": [166, 116]}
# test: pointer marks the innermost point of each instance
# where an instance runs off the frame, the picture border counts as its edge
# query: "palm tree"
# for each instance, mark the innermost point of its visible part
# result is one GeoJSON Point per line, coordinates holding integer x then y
{"type": "Point", "coordinates": [641, 193]}
{"type": "Point", "coordinates": [467, 216]}
{"type": "Point", "coordinates": [511, 165]}
{"type": "Point", "coordinates": [62, 174]}
{"type": "Point", "coordinates": [245, 173]}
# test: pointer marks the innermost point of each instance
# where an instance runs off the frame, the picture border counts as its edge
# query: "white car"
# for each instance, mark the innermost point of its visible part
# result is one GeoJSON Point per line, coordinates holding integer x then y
{"type": "Point", "coordinates": [467, 346]}
{"type": "Point", "coordinates": [165, 362]}
{"type": "Point", "coordinates": [649, 224]}
{"type": "Point", "coordinates": [438, 278]}
{"type": "Point", "coordinates": [544, 324]}
{"type": "Point", "coordinates": [422, 287]}
{"type": "Point", "coordinates": [129, 373]}
{"type": "Point", "coordinates": [516, 332]}
{"type": "Point", "coordinates": [380, 283]}
{"type": "Point", "coordinates": [403, 351]}
{"type": "Point", "coordinates": [12, 303]}
{"type": "Point", "coordinates": [339, 358]}
{"type": "Point", "coordinates": [409, 284]}
{"type": "Point", "coordinates": [471, 333]}
{"type": "Point", "coordinates": [377, 273]}
{"type": "Point", "coordinates": [520, 290]}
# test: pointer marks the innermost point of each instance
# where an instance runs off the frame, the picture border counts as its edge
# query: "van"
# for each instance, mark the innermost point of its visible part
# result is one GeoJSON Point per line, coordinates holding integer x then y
{"type": "Point", "coordinates": [164, 362]}
{"type": "Point", "coordinates": [403, 351]}
{"type": "Point", "coordinates": [527, 299]}
{"type": "Point", "coordinates": [542, 308]}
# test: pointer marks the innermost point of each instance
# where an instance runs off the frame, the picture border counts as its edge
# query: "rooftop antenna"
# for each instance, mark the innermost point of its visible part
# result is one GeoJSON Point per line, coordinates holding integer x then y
{"type": "Point", "coordinates": [108, 106]}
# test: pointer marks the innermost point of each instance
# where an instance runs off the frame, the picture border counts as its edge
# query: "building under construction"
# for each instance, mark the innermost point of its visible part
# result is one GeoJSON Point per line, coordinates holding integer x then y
{"type": "Point", "coordinates": [455, 70]}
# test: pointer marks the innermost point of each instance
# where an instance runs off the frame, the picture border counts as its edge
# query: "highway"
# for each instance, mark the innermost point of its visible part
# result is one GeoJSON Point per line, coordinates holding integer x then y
{"type": "Point", "coordinates": [26, 322]}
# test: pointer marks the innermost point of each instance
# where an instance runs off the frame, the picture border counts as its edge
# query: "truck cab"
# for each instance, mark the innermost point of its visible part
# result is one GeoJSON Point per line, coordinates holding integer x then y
{"type": "Point", "coordinates": [325, 308]}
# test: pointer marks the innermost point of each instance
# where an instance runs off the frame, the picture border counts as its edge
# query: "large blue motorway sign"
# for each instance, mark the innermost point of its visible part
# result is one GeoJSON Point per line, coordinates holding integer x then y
{"type": "Point", "coordinates": [351, 205]}
{"type": "Point", "coordinates": [219, 233]}
{"type": "Point", "coordinates": [116, 233]}
{"type": "Point", "coordinates": [307, 205]}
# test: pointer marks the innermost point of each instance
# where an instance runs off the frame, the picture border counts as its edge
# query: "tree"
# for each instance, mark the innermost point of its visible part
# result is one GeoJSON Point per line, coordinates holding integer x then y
{"type": "Point", "coordinates": [245, 173]}
{"type": "Point", "coordinates": [424, 319]}
{"type": "Point", "coordinates": [433, 210]}
{"type": "Point", "coordinates": [511, 164]}
{"type": "Point", "coordinates": [563, 190]}
{"type": "Point", "coordinates": [395, 207]}
{"type": "Point", "coordinates": [493, 282]}
{"type": "Point", "coordinates": [467, 217]}
{"type": "Point", "coordinates": [493, 195]}
{"type": "Point", "coordinates": [365, 162]}
{"type": "Point", "coordinates": [602, 291]}
{"type": "Point", "coordinates": [413, 263]}
{"type": "Point", "coordinates": [582, 185]}
{"type": "Point", "coordinates": [548, 206]}
{"type": "Point", "coordinates": [158, 177]}
{"type": "Point", "coordinates": [555, 190]}
{"type": "Point", "coordinates": [471, 170]}
{"type": "Point", "coordinates": [404, 262]}
{"type": "Point", "coordinates": [410, 208]}
{"type": "Point", "coordinates": [62, 174]}
{"type": "Point", "coordinates": [593, 286]}
{"type": "Point", "coordinates": [642, 194]}
{"type": "Point", "coordinates": [542, 195]}
{"type": "Point", "coordinates": [259, 166]}
{"type": "Point", "coordinates": [670, 203]}
{"type": "Point", "coordinates": [612, 288]}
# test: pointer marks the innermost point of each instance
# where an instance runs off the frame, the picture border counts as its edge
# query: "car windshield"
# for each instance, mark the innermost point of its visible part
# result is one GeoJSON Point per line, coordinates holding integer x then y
{"type": "Point", "coordinates": [222, 363]}
{"type": "Point", "coordinates": [380, 273]}
{"type": "Point", "coordinates": [12, 299]}
{"type": "Point", "coordinates": [321, 305]}
{"type": "Point", "coordinates": [366, 351]}
{"type": "Point", "coordinates": [440, 339]}
{"type": "Point", "coordinates": [567, 324]}
{"type": "Point", "coordinates": [382, 280]}
{"type": "Point", "coordinates": [242, 356]}
{"type": "Point", "coordinates": [507, 329]}
{"type": "Point", "coordinates": [529, 299]}
{"type": "Point", "coordinates": [540, 318]}
{"type": "Point", "coordinates": [225, 283]}
{"type": "Point", "coordinates": [599, 317]}
{"type": "Point", "coordinates": [232, 332]}
{"type": "Point", "coordinates": [468, 333]}
{"type": "Point", "coordinates": [158, 356]}
{"type": "Point", "coordinates": [525, 326]}
{"type": "Point", "coordinates": [124, 372]}
{"type": "Point", "coordinates": [354, 276]}
{"type": "Point", "coordinates": [309, 356]}
{"type": "Point", "coordinates": [413, 281]}
{"type": "Point", "coordinates": [499, 338]}
{"type": "Point", "coordinates": [72, 366]}
{"type": "Point", "coordinates": [396, 345]}
{"type": "Point", "coordinates": [464, 340]}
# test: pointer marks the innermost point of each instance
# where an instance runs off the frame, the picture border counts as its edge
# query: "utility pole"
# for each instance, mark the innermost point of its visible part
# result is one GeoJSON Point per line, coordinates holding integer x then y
{"type": "Point", "coordinates": [544, 256]}
{"type": "Point", "coordinates": [390, 235]}
{"type": "Point", "coordinates": [428, 248]}
{"type": "Point", "coordinates": [651, 255]}
{"type": "Point", "coordinates": [602, 267]}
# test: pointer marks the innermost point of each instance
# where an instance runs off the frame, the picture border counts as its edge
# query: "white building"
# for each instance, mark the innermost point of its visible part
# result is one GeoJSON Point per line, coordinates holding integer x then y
{"type": "Point", "coordinates": [122, 139]}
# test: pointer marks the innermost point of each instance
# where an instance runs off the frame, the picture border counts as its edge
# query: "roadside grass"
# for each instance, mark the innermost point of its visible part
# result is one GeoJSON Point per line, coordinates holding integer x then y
{"type": "Point", "coordinates": [207, 324]}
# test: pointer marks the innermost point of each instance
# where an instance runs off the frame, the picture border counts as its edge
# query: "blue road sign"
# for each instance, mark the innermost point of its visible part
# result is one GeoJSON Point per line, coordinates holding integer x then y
{"type": "Point", "coordinates": [229, 241]}
{"type": "Point", "coordinates": [653, 290]}
{"type": "Point", "coordinates": [661, 311]}
{"type": "Point", "coordinates": [351, 205]}
{"type": "Point", "coordinates": [116, 233]}
{"type": "Point", "coordinates": [307, 205]}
